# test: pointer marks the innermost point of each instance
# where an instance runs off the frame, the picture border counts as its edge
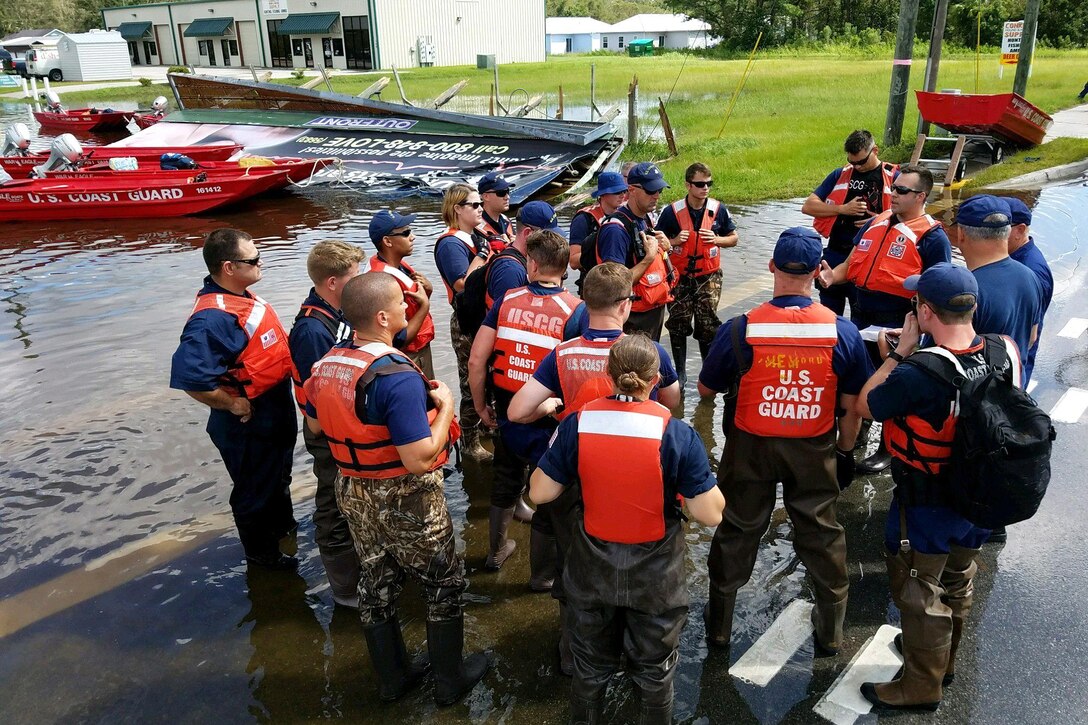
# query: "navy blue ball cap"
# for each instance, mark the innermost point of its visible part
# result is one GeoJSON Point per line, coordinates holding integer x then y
{"type": "Point", "coordinates": [609, 182]}
{"type": "Point", "coordinates": [539, 215]}
{"type": "Point", "coordinates": [1021, 214]}
{"type": "Point", "coordinates": [798, 250]}
{"type": "Point", "coordinates": [942, 282]}
{"type": "Point", "coordinates": [984, 210]}
{"type": "Point", "coordinates": [648, 176]}
{"type": "Point", "coordinates": [385, 221]}
{"type": "Point", "coordinates": [493, 181]}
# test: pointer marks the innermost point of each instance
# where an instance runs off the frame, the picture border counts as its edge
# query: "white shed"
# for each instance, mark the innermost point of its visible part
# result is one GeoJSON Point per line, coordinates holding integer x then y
{"type": "Point", "coordinates": [95, 56]}
{"type": "Point", "coordinates": [573, 35]}
{"type": "Point", "coordinates": [667, 31]}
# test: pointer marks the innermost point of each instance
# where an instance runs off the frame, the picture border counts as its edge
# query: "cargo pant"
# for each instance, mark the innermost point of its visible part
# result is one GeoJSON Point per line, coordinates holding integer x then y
{"type": "Point", "coordinates": [750, 469]}
{"type": "Point", "coordinates": [462, 346]}
{"type": "Point", "coordinates": [695, 297]}
{"type": "Point", "coordinates": [401, 526]}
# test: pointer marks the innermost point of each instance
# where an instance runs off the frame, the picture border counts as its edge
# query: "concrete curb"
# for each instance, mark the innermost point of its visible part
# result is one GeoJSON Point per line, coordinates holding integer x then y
{"type": "Point", "coordinates": [1043, 176]}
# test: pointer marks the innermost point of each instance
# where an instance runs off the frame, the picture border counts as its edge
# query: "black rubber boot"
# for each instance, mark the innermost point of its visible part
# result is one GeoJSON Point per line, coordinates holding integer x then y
{"type": "Point", "coordinates": [585, 712]}
{"type": "Point", "coordinates": [680, 358]}
{"type": "Point", "coordinates": [877, 462]}
{"type": "Point", "coordinates": [396, 674]}
{"type": "Point", "coordinates": [454, 677]}
{"type": "Point", "coordinates": [704, 349]}
{"type": "Point", "coordinates": [655, 714]}
{"type": "Point", "coordinates": [543, 559]}
{"type": "Point", "coordinates": [718, 619]}
{"type": "Point", "coordinates": [342, 569]}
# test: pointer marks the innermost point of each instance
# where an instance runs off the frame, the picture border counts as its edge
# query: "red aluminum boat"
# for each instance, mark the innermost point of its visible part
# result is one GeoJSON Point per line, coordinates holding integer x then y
{"type": "Point", "coordinates": [298, 169]}
{"type": "Point", "coordinates": [1005, 116]}
{"type": "Point", "coordinates": [146, 120]}
{"type": "Point", "coordinates": [117, 197]}
{"type": "Point", "coordinates": [20, 166]}
{"type": "Point", "coordinates": [82, 119]}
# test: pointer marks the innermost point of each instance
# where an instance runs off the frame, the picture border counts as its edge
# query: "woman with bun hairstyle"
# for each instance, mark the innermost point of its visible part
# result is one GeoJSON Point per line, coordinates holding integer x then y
{"type": "Point", "coordinates": [624, 574]}
{"type": "Point", "coordinates": [460, 250]}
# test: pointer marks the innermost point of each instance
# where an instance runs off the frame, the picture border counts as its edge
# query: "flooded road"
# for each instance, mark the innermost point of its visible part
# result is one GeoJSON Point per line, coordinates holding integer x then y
{"type": "Point", "coordinates": [124, 596]}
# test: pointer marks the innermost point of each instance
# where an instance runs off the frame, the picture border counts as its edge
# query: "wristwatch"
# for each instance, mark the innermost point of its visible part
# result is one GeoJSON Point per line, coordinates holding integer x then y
{"type": "Point", "coordinates": [895, 356]}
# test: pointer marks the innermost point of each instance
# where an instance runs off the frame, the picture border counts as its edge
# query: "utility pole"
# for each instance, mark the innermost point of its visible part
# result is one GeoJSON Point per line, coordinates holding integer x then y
{"type": "Point", "coordinates": [933, 62]}
{"type": "Point", "coordinates": [897, 95]}
{"type": "Point", "coordinates": [1027, 48]}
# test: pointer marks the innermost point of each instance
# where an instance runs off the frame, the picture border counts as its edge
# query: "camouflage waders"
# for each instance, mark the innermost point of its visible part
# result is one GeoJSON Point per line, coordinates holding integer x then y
{"type": "Point", "coordinates": [695, 297]}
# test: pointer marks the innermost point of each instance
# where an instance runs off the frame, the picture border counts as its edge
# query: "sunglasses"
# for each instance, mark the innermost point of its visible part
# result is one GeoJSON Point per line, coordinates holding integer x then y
{"type": "Point", "coordinates": [703, 184]}
{"type": "Point", "coordinates": [499, 192]}
{"type": "Point", "coordinates": [473, 204]}
{"type": "Point", "coordinates": [628, 298]}
{"type": "Point", "coordinates": [862, 162]}
{"type": "Point", "coordinates": [406, 233]}
{"type": "Point", "coordinates": [252, 262]}
{"type": "Point", "coordinates": [904, 189]}
{"type": "Point", "coordinates": [644, 190]}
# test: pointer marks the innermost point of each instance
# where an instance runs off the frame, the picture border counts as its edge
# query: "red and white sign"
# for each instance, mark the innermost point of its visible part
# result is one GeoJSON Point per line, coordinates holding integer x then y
{"type": "Point", "coordinates": [1010, 42]}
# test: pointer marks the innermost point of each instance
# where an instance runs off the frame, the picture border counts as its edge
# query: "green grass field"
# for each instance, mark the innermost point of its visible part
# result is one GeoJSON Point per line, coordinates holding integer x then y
{"type": "Point", "coordinates": [788, 124]}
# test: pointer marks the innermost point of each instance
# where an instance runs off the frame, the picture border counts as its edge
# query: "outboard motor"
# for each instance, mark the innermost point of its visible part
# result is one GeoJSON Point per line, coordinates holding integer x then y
{"type": "Point", "coordinates": [64, 155]}
{"type": "Point", "coordinates": [53, 102]}
{"type": "Point", "coordinates": [16, 140]}
{"type": "Point", "coordinates": [159, 106]}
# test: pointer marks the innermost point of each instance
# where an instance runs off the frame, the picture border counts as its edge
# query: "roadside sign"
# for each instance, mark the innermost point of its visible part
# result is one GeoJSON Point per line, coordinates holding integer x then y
{"type": "Point", "coordinates": [7, 81]}
{"type": "Point", "coordinates": [1010, 42]}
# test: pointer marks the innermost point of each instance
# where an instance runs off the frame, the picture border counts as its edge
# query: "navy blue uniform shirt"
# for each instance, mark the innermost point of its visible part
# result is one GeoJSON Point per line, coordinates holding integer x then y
{"type": "Point", "coordinates": [1009, 301]}
{"type": "Point", "coordinates": [548, 372]}
{"type": "Point", "coordinates": [581, 226]}
{"type": "Point", "coordinates": [452, 258]}
{"type": "Point", "coordinates": [310, 338]}
{"type": "Point", "coordinates": [1032, 257]}
{"type": "Point", "coordinates": [614, 244]}
{"type": "Point", "coordinates": [506, 273]}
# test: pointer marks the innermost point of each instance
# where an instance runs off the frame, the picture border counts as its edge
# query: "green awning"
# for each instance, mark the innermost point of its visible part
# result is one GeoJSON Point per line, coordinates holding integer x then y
{"type": "Point", "coordinates": [307, 24]}
{"type": "Point", "coordinates": [133, 31]}
{"type": "Point", "coordinates": [208, 27]}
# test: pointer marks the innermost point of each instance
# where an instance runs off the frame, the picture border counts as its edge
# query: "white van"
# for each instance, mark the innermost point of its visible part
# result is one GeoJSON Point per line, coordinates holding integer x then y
{"type": "Point", "coordinates": [44, 62]}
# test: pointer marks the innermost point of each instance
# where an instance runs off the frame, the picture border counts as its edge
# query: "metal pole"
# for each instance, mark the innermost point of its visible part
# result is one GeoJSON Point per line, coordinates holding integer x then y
{"type": "Point", "coordinates": [1027, 48]}
{"type": "Point", "coordinates": [933, 61]}
{"type": "Point", "coordinates": [632, 111]}
{"type": "Point", "coordinates": [897, 94]}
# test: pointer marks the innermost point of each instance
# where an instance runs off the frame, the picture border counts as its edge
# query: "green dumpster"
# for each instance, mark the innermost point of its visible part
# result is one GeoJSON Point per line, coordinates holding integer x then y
{"type": "Point", "coordinates": [640, 47]}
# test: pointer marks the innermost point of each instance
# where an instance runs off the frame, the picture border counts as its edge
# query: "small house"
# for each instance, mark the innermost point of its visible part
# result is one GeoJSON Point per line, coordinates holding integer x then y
{"type": "Point", "coordinates": [99, 55]}
{"type": "Point", "coordinates": [573, 35]}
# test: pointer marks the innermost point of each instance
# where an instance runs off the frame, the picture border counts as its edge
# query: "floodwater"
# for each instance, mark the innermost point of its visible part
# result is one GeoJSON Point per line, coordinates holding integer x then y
{"type": "Point", "coordinates": [124, 595]}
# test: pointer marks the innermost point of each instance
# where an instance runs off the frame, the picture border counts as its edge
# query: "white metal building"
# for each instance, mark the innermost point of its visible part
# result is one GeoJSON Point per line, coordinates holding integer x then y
{"type": "Point", "coordinates": [94, 56]}
{"type": "Point", "coordinates": [667, 31]}
{"type": "Point", "coordinates": [346, 34]}
{"type": "Point", "coordinates": [573, 35]}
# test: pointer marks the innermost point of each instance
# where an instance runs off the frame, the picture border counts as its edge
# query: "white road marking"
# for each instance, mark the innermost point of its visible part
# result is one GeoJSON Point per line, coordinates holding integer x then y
{"type": "Point", "coordinates": [1031, 386]}
{"type": "Point", "coordinates": [1074, 328]}
{"type": "Point", "coordinates": [1070, 407]}
{"type": "Point", "coordinates": [877, 661]}
{"type": "Point", "coordinates": [774, 648]}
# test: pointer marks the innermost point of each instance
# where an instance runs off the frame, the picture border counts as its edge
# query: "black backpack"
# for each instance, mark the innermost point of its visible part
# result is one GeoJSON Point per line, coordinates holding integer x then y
{"type": "Point", "coordinates": [589, 244]}
{"type": "Point", "coordinates": [1000, 465]}
{"type": "Point", "coordinates": [470, 304]}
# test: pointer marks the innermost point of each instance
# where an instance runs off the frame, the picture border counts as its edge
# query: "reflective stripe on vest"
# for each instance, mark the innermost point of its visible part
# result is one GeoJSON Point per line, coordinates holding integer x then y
{"type": "Point", "coordinates": [529, 327]}
{"type": "Point", "coordinates": [886, 254]}
{"type": "Point", "coordinates": [407, 284]}
{"type": "Point", "coordinates": [265, 361]}
{"type": "Point", "coordinates": [339, 331]}
{"type": "Point", "coordinates": [825, 224]}
{"type": "Point", "coordinates": [695, 257]}
{"type": "Point", "coordinates": [583, 372]}
{"type": "Point", "coordinates": [624, 495]}
{"type": "Point", "coordinates": [790, 389]}
{"type": "Point", "coordinates": [359, 449]}
{"type": "Point", "coordinates": [466, 239]}
{"type": "Point", "coordinates": [917, 443]}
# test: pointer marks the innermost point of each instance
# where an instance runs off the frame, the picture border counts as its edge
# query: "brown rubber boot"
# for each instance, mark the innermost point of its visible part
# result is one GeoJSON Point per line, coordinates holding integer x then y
{"type": "Point", "coordinates": [471, 446]}
{"type": "Point", "coordinates": [500, 547]}
{"type": "Point", "coordinates": [927, 634]}
{"type": "Point", "coordinates": [718, 619]}
{"type": "Point", "coordinates": [827, 622]}
{"type": "Point", "coordinates": [958, 580]}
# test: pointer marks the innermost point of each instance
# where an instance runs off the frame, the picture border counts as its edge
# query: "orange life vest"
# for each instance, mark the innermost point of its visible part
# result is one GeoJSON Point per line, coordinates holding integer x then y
{"type": "Point", "coordinates": [790, 389]}
{"type": "Point", "coordinates": [596, 212]}
{"type": "Point", "coordinates": [824, 224]}
{"type": "Point", "coordinates": [623, 495]}
{"type": "Point", "coordinates": [337, 329]}
{"type": "Point", "coordinates": [654, 288]}
{"type": "Point", "coordinates": [695, 257]}
{"type": "Point", "coordinates": [887, 254]}
{"type": "Point", "coordinates": [583, 372]}
{"type": "Point", "coordinates": [265, 362]}
{"type": "Point", "coordinates": [466, 239]}
{"type": "Point", "coordinates": [407, 284]}
{"type": "Point", "coordinates": [499, 239]}
{"type": "Point", "coordinates": [529, 327]}
{"type": "Point", "coordinates": [916, 442]}
{"type": "Point", "coordinates": [360, 449]}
